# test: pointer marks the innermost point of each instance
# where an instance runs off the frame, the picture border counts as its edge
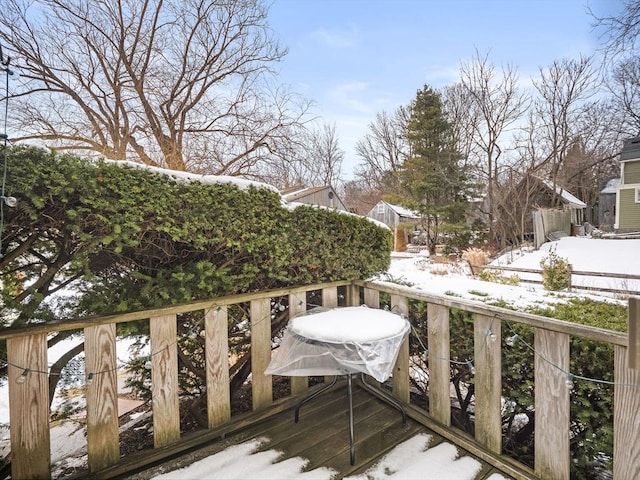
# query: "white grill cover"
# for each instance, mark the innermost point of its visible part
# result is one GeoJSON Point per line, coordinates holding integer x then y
{"type": "Point", "coordinates": [339, 341]}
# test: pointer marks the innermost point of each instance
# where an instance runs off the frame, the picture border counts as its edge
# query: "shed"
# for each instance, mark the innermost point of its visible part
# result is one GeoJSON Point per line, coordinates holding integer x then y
{"type": "Point", "coordinates": [392, 215]}
{"type": "Point", "coordinates": [324, 196]}
{"type": "Point", "coordinates": [570, 202]}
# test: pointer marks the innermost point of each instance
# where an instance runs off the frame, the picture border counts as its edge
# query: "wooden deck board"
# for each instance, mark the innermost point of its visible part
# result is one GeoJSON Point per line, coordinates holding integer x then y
{"type": "Point", "coordinates": [321, 435]}
{"type": "Point", "coordinates": [308, 439]}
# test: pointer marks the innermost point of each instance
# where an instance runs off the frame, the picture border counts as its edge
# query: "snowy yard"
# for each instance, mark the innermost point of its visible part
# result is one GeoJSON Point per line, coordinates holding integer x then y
{"type": "Point", "coordinates": [583, 253]}
{"type": "Point", "coordinates": [407, 460]}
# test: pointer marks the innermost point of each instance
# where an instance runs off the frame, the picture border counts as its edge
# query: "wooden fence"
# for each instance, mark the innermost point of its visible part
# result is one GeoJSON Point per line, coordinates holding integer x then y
{"type": "Point", "coordinates": [28, 379]}
{"type": "Point", "coordinates": [573, 275]}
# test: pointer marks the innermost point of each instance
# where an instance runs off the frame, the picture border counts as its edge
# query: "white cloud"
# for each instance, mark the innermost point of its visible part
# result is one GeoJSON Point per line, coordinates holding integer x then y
{"type": "Point", "coordinates": [351, 96]}
{"type": "Point", "coordinates": [345, 38]}
{"type": "Point", "coordinates": [438, 75]}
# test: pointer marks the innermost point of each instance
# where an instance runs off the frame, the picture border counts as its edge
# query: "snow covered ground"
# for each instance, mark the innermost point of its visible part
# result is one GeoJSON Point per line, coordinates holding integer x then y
{"type": "Point", "coordinates": [585, 254]}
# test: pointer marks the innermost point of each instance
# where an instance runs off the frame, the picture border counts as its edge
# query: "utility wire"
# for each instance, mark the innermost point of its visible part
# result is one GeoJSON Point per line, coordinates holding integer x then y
{"type": "Point", "coordinates": [4, 61]}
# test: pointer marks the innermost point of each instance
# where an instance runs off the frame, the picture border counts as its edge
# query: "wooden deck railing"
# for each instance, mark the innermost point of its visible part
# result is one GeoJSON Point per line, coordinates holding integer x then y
{"type": "Point", "coordinates": [28, 379]}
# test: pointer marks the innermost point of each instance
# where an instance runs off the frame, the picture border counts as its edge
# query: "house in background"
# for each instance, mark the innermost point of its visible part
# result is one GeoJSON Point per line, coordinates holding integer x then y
{"type": "Point", "coordinates": [324, 196]}
{"type": "Point", "coordinates": [627, 212]}
{"type": "Point", "coordinates": [392, 215]}
{"type": "Point", "coordinates": [533, 208]}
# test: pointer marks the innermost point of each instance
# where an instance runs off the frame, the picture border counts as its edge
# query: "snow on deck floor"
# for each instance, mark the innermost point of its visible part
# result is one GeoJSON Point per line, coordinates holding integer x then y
{"type": "Point", "coordinates": [412, 459]}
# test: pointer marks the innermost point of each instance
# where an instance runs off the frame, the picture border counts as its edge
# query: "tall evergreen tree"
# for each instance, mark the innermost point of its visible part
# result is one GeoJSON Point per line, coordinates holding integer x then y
{"type": "Point", "coordinates": [433, 175]}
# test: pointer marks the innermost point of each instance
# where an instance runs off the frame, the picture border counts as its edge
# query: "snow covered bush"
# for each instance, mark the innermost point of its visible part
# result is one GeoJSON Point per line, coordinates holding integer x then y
{"type": "Point", "coordinates": [556, 271]}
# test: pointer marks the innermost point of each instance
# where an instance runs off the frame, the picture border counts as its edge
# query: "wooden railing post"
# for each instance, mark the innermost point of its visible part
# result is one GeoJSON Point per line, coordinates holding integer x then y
{"type": "Point", "coordinates": [488, 382]}
{"type": "Point", "coordinates": [163, 332]}
{"type": "Point", "coordinates": [330, 297]}
{"type": "Point", "coordinates": [438, 339]}
{"type": "Point", "coordinates": [400, 305]}
{"type": "Point", "coordinates": [261, 384]}
{"type": "Point", "coordinates": [216, 346]}
{"type": "Point", "coordinates": [297, 305]}
{"type": "Point", "coordinates": [371, 298]}
{"type": "Point", "coordinates": [353, 295]}
{"type": "Point", "coordinates": [29, 406]}
{"type": "Point", "coordinates": [103, 447]}
{"type": "Point", "coordinates": [626, 401]}
{"type": "Point", "coordinates": [634, 333]}
{"type": "Point", "coordinates": [552, 455]}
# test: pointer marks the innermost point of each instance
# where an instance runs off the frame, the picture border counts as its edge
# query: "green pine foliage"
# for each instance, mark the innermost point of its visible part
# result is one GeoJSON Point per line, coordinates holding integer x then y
{"type": "Point", "coordinates": [434, 175]}
{"type": "Point", "coordinates": [556, 273]}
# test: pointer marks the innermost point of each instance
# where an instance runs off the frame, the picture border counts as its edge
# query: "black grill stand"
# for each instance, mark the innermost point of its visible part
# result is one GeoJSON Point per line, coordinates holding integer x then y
{"type": "Point", "coordinates": [376, 392]}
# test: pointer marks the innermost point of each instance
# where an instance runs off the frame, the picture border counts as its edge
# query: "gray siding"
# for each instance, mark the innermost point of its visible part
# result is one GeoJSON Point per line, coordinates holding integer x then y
{"type": "Point", "coordinates": [388, 216]}
{"type": "Point", "coordinates": [606, 211]}
{"type": "Point", "coordinates": [322, 198]}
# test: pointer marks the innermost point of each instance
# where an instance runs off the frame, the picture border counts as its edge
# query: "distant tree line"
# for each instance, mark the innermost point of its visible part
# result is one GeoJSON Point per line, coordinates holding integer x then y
{"type": "Point", "coordinates": [192, 85]}
{"type": "Point", "coordinates": [566, 128]}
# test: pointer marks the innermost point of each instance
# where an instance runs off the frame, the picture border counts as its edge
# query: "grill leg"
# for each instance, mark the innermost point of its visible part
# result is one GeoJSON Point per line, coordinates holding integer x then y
{"type": "Point", "coordinates": [384, 397]}
{"type": "Point", "coordinates": [312, 396]}
{"type": "Point", "coordinates": [352, 447]}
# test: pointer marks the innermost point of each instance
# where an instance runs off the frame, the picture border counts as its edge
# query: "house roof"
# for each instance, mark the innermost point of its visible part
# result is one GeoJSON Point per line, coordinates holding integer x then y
{"type": "Point", "coordinates": [611, 186]}
{"type": "Point", "coordinates": [294, 193]}
{"type": "Point", "coordinates": [565, 195]}
{"type": "Point", "coordinates": [403, 212]}
{"type": "Point", "coordinates": [630, 149]}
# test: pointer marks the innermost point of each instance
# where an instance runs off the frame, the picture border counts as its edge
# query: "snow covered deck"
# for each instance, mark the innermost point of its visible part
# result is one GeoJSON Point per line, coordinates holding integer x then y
{"type": "Point", "coordinates": [317, 447]}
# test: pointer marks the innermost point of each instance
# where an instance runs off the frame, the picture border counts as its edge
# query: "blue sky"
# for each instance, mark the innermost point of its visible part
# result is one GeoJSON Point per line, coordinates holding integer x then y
{"type": "Point", "coordinates": [355, 58]}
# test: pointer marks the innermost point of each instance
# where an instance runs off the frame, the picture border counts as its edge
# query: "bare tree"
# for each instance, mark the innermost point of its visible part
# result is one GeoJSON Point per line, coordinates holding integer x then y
{"type": "Point", "coordinates": [383, 151]}
{"type": "Point", "coordinates": [358, 196]}
{"type": "Point", "coordinates": [624, 85]}
{"type": "Point", "coordinates": [325, 157]}
{"type": "Point", "coordinates": [621, 46]}
{"type": "Point", "coordinates": [309, 157]}
{"type": "Point", "coordinates": [498, 104]}
{"type": "Point", "coordinates": [464, 117]}
{"type": "Point", "coordinates": [564, 92]}
{"type": "Point", "coordinates": [621, 33]}
{"type": "Point", "coordinates": [183, 84]}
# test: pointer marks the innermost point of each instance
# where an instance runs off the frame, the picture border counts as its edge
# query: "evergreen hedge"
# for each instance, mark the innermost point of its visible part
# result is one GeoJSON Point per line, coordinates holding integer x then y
{"type": "Point", "coordinates": [132, 238]}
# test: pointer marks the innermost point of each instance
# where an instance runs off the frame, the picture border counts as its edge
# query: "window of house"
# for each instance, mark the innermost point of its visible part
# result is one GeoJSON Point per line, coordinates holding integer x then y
{"type": "Point", "coordinates": [381, 207]}
{"type": "Point", "coordinates": [637, 194]}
